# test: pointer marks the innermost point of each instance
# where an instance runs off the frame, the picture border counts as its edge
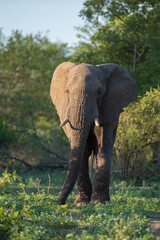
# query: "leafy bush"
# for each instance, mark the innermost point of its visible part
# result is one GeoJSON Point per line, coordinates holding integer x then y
{"type": "Point", "coordinates": [7, 180]}
{"type": "Point", "coordinates": [138, 132]}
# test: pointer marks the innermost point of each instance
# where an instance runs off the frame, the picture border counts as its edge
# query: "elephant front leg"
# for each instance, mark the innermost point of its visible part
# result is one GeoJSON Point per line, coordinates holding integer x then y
{"type": "Point", "coordinates": [102, 179]}
{"type": "Point", "coordinates": [106, 137]}
{"type": "Point", "coordinates": [84, 182]}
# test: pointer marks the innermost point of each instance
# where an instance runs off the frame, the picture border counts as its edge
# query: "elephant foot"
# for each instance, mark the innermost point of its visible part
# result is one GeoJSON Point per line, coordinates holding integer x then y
{"type": "Point", "coordinates": [95, 199]}
{"type": "Point", "coordinates": [61, 200]}
{"type": "Point", "coordinates": [81, 201]}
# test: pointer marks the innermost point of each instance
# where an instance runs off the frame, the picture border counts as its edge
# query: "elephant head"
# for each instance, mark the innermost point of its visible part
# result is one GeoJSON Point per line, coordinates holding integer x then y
{"type": "Point", "coordinates": [85, 95]}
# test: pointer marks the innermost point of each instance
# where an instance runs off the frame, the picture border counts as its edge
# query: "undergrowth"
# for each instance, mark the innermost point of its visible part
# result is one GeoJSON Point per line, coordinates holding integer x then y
{"type": "Point", "coordinates": [29, 210]}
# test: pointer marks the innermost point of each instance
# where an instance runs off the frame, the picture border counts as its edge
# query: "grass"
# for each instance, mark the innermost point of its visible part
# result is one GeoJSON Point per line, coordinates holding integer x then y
{"type": "Point", "coordinates": [29, 210]}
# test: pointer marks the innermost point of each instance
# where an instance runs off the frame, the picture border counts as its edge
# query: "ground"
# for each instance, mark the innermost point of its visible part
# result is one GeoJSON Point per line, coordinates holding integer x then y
{"type": "Point", "coordinates": [29, 210]}
{"type": "Point", "coordinates": [155, 227]}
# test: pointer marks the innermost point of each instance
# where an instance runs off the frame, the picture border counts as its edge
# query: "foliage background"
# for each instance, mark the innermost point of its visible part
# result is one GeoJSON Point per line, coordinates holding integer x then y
{"type": "Point", "coordinates": [124, 32]}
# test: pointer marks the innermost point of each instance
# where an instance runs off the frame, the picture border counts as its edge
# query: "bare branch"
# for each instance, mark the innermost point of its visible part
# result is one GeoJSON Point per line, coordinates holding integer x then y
{"type": "Point", "coordinates": [15, 158]}
{"type": "Point", "coordinates": [37, 167]}
{"type": "Point", "coordinates": [49, 183]}
{"type": "Point", "coordinates": [60, 156]}
{"type": "Point", "coordinates": [134, 57]}
{"type": "Point", "coordinates": [140, 54]}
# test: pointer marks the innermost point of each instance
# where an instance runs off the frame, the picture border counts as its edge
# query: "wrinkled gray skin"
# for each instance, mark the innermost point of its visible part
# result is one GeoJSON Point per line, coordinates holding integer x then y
{"type": "Point", "coordinates": [81, 93]}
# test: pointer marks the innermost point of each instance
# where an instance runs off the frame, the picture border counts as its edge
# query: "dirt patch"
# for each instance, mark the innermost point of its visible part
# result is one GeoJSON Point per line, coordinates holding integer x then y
{"type": "Point", "coordinates": [155, 227]}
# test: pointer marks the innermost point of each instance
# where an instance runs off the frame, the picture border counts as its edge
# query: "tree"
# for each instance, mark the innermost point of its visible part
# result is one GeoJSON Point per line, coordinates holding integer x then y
{"type": "Point", "coordinates": [26, 67]}
{"type": "Point", "coordinates": [124, 32]}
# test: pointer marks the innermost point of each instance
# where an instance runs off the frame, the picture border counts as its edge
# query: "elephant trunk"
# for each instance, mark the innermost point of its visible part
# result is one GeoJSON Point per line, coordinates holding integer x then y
{"type": "Point", "coordinates": [80, 118]}
{"type": "Point", "coordinates": [78, 142]}
{"type": "Point", "coordinates": [79, 126]}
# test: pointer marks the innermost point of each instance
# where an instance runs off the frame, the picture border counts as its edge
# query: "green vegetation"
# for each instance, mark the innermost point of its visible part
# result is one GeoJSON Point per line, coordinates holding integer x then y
{"type": "Point", "coordinates": [28, 120]}
{"type": "Point", "coordinates": [126, 32]}
{"type": "Point", "coordinates": [138, 136]}
{"type": "Point", "coordinates": [29, 132]}
{"type": "Point", "coordinates": [29, 210]}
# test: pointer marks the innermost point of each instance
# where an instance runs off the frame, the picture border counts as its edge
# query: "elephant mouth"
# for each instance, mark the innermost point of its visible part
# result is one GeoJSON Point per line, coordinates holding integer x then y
{"type": "Point", "coordinates": [66, 120]}
{"type": "Point", "coordinates": [81, 114]}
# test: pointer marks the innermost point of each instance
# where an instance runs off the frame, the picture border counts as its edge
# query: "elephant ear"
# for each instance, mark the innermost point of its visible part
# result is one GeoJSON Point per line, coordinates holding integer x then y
{"type": "Point", "coordinates": [58, 92]}
{"type": "Point", "coordinates": [120, 90]}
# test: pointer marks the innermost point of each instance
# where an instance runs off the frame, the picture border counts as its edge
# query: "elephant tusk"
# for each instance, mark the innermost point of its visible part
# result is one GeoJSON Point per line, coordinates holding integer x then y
{"type": "Point", "coordinates": [97, 122]}
{"type": "Point", "coordinates": [64, 122]}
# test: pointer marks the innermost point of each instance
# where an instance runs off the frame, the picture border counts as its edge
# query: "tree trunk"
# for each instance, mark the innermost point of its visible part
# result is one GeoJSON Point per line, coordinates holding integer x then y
{"type": "Point", "coordinates": [134, 56]}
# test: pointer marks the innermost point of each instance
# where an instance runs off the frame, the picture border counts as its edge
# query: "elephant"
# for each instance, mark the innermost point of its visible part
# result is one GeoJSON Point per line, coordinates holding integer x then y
{"type": "Point", "coordinates": [89, 99]}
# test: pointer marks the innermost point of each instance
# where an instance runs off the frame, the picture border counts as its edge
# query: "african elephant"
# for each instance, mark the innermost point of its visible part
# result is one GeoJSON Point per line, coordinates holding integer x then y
{"type": "Point", "coordinates": [89, 100]}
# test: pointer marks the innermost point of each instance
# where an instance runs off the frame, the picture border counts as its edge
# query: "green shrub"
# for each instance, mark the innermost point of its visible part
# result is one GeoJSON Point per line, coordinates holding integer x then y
{"type": "Point", "coordinates": [8, 179]}
{"type": "Point", "coordinates": [138, 133]}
